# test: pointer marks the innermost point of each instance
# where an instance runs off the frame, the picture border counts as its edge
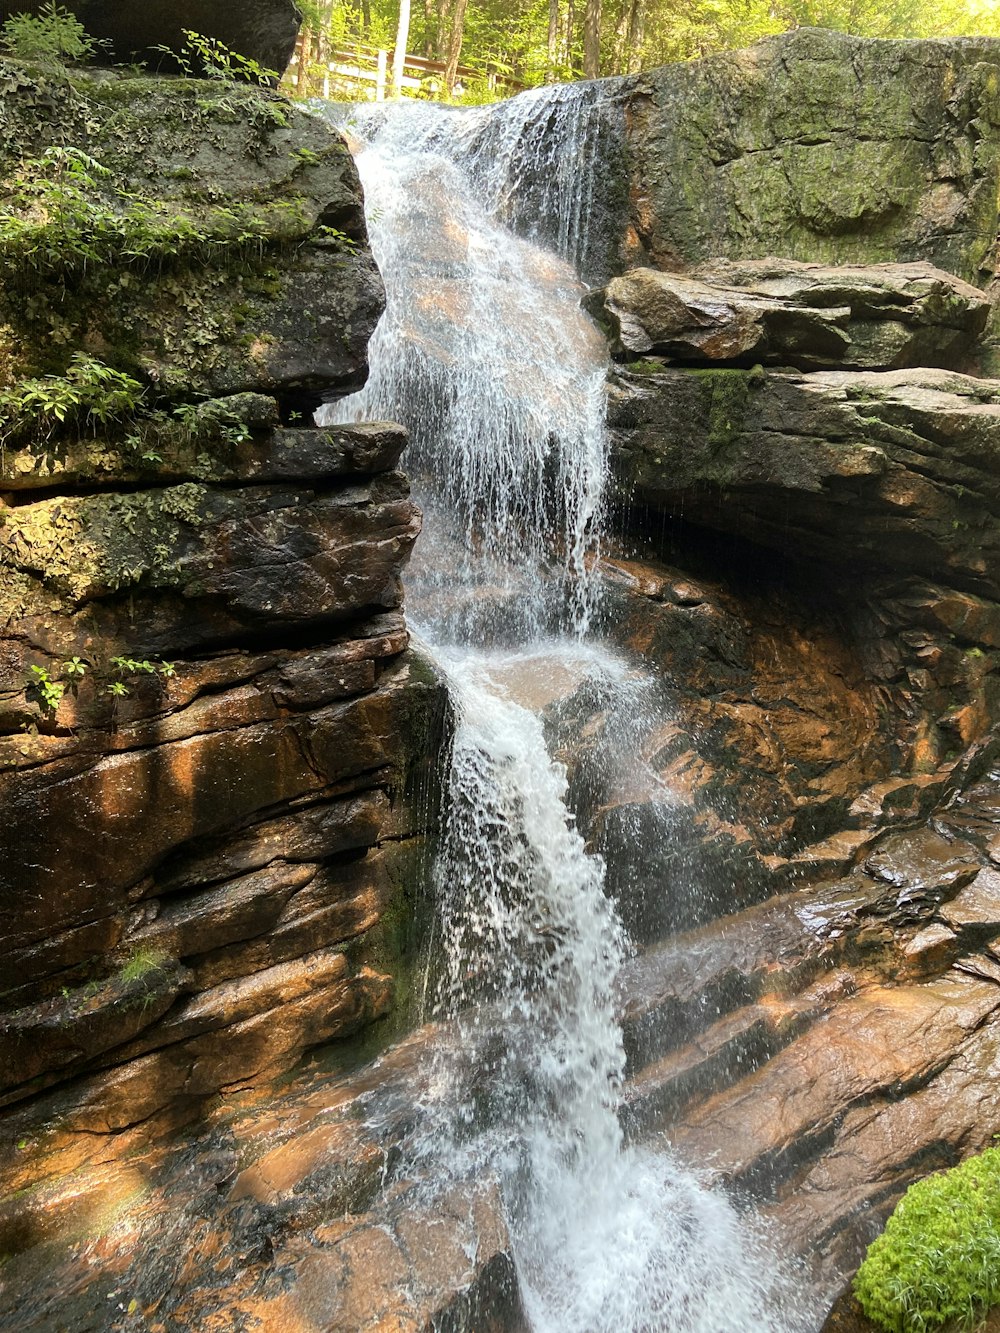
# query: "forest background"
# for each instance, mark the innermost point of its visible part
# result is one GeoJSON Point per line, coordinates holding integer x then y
{"type": "Point", "coordinates": [480, 50]}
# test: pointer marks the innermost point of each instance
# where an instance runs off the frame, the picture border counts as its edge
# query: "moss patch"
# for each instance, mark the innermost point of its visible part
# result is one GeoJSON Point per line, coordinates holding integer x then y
{"type": "Point", "coordinates": [937, 1264]}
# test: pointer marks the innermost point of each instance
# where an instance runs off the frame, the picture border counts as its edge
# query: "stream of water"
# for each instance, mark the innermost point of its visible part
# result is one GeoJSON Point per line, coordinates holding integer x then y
{"type": "Point", "coordinates": [479, 222]}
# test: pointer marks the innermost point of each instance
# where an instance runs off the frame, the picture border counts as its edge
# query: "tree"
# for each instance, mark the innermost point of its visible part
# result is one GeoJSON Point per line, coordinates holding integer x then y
{"type": "Point", "coordinates": [592, 39]}
{"type": "Point", "coordinates": [399, 55]}
{"type": "Point", "coordinates": [541, 41]}
{"type": "Point", "coordinates": [456, 35]}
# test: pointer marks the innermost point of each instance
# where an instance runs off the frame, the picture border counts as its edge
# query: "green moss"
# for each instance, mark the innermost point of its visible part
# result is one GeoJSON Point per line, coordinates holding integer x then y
{"type": "Point", "coordinates": [83, 547]}
{"type": "Point", "coordinates": [728, 397]}
{"type": "Point", "coordinates": [937, 1263]}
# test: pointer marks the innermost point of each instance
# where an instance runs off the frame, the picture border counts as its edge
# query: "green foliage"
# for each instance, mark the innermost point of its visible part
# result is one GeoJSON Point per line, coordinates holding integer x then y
{"type": "Point", "coordinates": [938, 1261]}
{"type": "Point", "coordinates": [507, 41]}
{"type": "Point", "coordinates": [113, 681]}
{"type": "Point", "coordinates": [54, 36]}
{"type": "Point", "coordinates": [45, 691]}
{"type": "Point", "coordinates": [64, 216]}
{"type": "Point", "coordinates": [88, 397]}
{"type": "Point", "coordinates": [214, 58]}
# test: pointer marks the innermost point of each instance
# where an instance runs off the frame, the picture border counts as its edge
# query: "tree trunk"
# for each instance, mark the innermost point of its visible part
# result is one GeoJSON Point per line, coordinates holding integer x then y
{"type": "Point", "coordinates": [302, 61]}
{"type": "Point", "coordinates": [592, 40]}
{"type": "Point", "coordinates": [569, 34]}
{"type": "Point", "coordinates": [636, 26]}
{"type": "Point", "coordinates": [440, 28]}
{"type": "Point", "coordinates": [619, 48]}
{"type": "Point", "coordinates": [429, 28]}
{"type": "Point", "coordinates": [455, 38]}
{"type": "Point", "coordinates": [399, 55]}
{"type": "Point", "coordinates": [366, 17]}
{"type": "Point", "coordinates": [553, 47]}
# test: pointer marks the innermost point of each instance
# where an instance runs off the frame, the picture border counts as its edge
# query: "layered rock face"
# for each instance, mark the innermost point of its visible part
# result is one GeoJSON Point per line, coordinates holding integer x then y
{"type": "Point", "coordinates": [805, 446]}
{"type": "Point", "coordinates": [213, 734]}
{"type": "Point", "coordinates": [820, 147]}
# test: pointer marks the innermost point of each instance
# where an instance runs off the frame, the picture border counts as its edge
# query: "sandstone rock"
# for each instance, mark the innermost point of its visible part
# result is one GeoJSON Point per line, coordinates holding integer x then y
{"type": "Point", "coordinates": [931, 949]}
{"type": "Point", "coordinates": [883, 1041]}
{"type": "Point", "coordinates": [273, 290]}
{"type": "Point", "coordinates": [780, 312]}
{"type": "Point", "coordinates": [263, 30]}
{"type": "Point", "coordinates": [922, 865]}
{"type": "Point", "coordinates": [976, 907]}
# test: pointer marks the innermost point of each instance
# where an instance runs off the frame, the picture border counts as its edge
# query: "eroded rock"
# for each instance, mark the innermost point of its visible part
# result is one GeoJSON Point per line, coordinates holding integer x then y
{"type": "Point", "coordinates": [778, 312]}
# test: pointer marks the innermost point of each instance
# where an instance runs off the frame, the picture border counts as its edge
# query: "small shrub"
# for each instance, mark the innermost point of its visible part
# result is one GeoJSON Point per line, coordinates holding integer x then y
{"type": "Point", "coordinates": [54, 36]}
{"type": "Point", "coordinates": [938, 1261]}
{"type": "Point", "coordinates": [217, 60]}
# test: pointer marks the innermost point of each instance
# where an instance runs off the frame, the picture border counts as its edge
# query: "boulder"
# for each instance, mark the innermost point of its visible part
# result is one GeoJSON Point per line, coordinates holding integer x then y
{"type": "Point", "coordinates": [262, 31]}
{"type": "Point", "coordinates": [211, 726]}
{"type": "Point", "coordinates": [780, 312]}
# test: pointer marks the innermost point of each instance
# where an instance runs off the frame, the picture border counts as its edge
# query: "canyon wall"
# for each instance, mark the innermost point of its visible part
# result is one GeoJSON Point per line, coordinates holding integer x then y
{"type": "Point", "coordinates": [215, 741]}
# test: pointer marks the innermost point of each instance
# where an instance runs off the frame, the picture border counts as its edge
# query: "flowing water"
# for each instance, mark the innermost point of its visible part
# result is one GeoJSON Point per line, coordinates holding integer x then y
{"type": "Point", "coordinates": [479, 222]}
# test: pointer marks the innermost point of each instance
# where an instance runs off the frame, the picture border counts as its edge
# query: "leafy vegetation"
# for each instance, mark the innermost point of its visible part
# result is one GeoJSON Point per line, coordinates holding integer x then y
{"type": "Point", "coordinates": [53, 37]}
{"type": "Point", "coordinates": [140, 964]}
{"type": "Point", "coordinates": [507, 44]}
{"type": "Point", "coordinates": [114, 680]}
{"type": "Point", "coordinates": [938, 1261]}
{"type": "Point", "coordinates": [210, 56]}
{"type": "Point", "coordinates": [57, 221]}
{"type": "Point", "coordinates": [89, 396]}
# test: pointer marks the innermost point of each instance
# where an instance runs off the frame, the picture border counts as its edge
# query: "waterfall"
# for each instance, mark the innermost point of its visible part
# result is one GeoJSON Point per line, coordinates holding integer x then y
{"type": "Point", "coordinates": [479, 222]}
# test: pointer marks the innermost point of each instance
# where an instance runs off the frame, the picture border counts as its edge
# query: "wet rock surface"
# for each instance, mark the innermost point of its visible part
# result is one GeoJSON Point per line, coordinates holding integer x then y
{"type": "Point", "coordinates": [276, 1217]}
{"type": "Point", "coordinates": [214, 736]}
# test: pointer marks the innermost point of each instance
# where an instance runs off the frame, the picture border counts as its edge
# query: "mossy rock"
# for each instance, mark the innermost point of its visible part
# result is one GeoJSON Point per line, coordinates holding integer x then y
{"type": "Point", "coordinates": [820, 146]}
{"type": "Point", "coordinates": [207, 237]}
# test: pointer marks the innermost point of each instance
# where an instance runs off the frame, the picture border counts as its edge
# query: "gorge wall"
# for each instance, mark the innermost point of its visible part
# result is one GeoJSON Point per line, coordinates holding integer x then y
{"type": "Point", "coordinates": [215, 739]}
{"type": "Point", "coordinates": [805, 443]}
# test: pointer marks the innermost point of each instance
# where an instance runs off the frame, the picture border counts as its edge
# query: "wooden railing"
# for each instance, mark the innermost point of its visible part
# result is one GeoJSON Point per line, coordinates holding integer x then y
{"type": "Point", "coordinates": [367, 70]}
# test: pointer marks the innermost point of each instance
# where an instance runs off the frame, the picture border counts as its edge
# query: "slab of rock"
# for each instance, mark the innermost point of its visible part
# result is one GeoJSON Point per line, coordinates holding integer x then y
{"type": "Point", "coordinates": [880, 1043]}
{"type": "Point", "coordinates": [977, 906]}
{"type": "Point", "coordinates": [820, 146]}
{"type": "Point", "coordinates": [269, 287]}
{"type": "Point", "coordinates": [779, 312]}
{"type": "Point", "coordinates": [894, 470]}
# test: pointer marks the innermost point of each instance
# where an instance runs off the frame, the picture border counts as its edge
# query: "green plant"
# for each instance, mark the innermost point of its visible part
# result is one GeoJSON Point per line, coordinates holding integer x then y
{"type": "Point", "coordinates": [46, 692]}
{"type": "Point", "coordinates": [57, 222]}
{"type": "Point", "coordinates": [90, 395]}
{"type": "Point", "coordinates": [938, 1261]}
{"type": "Point", "coordinates": [140, 964]}
{"type": "Point", "coordinates": [123, 667]}
{"type": "Point", "coordinates": [217, 60]}
{"type": "Point", "coordinates": [53, 37]}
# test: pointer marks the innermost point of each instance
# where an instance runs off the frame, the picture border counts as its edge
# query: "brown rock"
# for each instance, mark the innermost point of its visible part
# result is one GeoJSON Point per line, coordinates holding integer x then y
{"type": "Point", "coordinates": [779, 312]}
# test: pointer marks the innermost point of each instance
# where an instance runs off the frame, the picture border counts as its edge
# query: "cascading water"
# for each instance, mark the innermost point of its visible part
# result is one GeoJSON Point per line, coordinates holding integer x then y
{"type": "Point", "coordinates": [485, 355]}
